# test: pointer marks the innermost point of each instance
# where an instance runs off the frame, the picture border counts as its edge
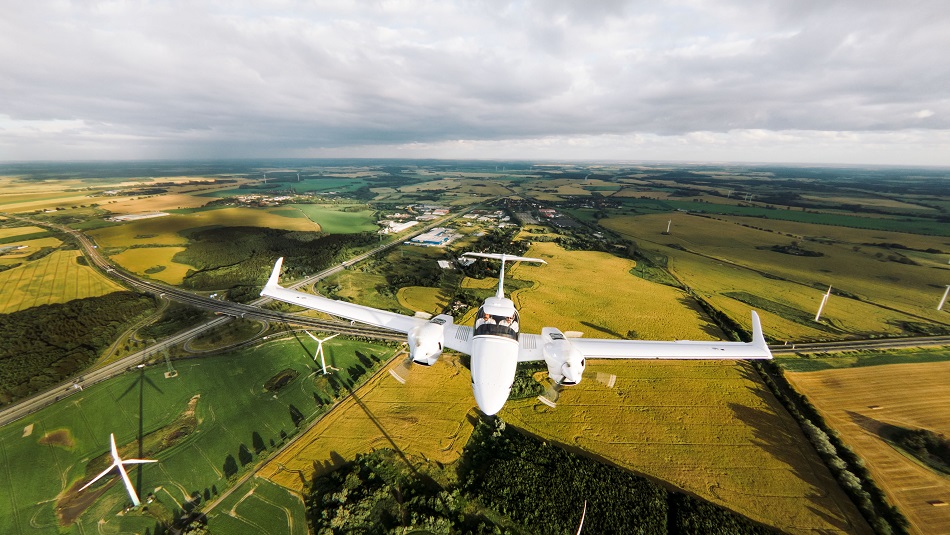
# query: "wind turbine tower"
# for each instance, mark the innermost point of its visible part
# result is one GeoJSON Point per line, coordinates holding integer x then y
{"type": "Point", "coordinates": [944, 298]}
{"type": "Point", "coordinates": [822, 305]}
{"type": "Point", "coordinates": [319, 352]}
{"type": "Point", "coordinates": [118, 462]}
{"type": "Point", "coordinates": [668, 225]}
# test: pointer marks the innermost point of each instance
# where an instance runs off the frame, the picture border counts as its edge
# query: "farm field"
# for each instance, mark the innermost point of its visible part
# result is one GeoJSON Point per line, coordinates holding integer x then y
{"type": "Point", "coordinates": [55, 278]}
{"type": "Point", "coordinates": [857, 402]}
{"type": "Point", "coordinates": [428, 416]}
{"type": "Point", "coordinates": [570, 291]}
{"type": "Point", "coordinates": [19, 231]}
{"type": "Point", "coordinates": [724, 260]}
{"type": "Point", "coordinates": [141, 259]}
{"type": "Point", "coordinates": [422, 299]}
{"type": "Point", "coordinates": [238, 422]}
{"type": "Point", "coordinates": [710, 428]}
{"type": "Point", "coordinates": [333, 220]}
{"type": "Point", "coordinates": [164, 230]}
{"type": "Point", "coordinates": [259, 506]}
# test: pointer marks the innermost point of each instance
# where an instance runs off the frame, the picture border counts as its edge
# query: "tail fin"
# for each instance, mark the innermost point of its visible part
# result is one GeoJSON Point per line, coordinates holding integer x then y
{"type": "Point", "coordinates": [274, 275]}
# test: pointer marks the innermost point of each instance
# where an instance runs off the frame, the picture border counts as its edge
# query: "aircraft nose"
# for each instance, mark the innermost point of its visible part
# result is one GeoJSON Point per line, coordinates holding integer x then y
{"type": "Point", "coordinates": [490, 398]}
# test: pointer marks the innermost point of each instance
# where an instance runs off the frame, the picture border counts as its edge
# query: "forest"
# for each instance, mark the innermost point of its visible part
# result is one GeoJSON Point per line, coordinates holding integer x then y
{"type": "Point", "coordinates": [61, 339]}
{"type": "Point", "coordinates": [506, 482]}
{"type": "Point", "coordinates": [240, 258]}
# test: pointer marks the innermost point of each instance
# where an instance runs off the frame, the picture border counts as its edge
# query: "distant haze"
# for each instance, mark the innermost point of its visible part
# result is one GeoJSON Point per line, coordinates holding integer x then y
{"type": "Point", "coordinates": [863, 82]}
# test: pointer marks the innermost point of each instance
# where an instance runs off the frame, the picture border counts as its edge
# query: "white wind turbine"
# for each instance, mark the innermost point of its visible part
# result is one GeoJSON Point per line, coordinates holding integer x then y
{"type": "Point", "coordinates": [118, 462]}
{"type": "Point", "coordinates": [320, 350]}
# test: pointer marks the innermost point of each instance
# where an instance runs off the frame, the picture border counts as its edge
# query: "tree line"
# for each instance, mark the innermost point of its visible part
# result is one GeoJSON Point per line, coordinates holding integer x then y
{"type": "Point", "coordinates": [43, 345]}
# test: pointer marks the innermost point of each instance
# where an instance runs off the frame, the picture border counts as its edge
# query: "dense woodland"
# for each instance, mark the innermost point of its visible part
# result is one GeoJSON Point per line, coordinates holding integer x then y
{"type": "Point", "coordinates": [41, 346]}
{"type": "Point", "coordinates": [507, 482]}
{"type": "Point", "coordinates": [240, 258]}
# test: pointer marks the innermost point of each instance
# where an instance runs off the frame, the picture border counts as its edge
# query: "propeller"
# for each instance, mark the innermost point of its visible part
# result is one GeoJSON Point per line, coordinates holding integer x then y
{"type": "Point", "coordinates": [401, 371]}
{"type": "Point", "coordinates": [553, 390]}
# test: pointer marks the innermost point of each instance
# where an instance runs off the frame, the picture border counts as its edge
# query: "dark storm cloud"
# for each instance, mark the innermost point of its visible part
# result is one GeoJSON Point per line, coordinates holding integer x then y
{"type": "Point", "coordinates": [206, 79]}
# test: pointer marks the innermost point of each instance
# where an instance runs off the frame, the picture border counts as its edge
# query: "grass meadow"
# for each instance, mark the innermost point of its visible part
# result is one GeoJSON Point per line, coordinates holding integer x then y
{"type": "Point", "coordinates": [859, 402]}
{"type": "Point", "coordinates": [238, 423]}
{"type": "Point", "coordinates": [710, 428]}
{"type": "Point", "coordinates": [55, 278]}
{"type": "Point", "coordinates": [333, 220]}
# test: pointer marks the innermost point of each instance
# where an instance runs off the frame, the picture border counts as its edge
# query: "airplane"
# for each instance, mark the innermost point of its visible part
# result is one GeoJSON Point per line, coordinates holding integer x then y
{"type": "Point", "coordinates": [496, 345]}
{"type": "Point", "coordinates": [118, 462]}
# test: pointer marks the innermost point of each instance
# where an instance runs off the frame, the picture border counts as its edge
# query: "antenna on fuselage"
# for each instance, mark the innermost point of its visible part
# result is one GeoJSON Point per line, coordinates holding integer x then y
{"type": "Point", "coordinates": [504, 258]}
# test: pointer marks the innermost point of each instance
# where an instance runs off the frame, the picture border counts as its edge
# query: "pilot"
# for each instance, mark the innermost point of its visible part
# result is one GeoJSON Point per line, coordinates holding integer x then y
{"type": "Point", "coordinates": [510, 322]}
{"type": "Point", "coordinates": [485, 320]}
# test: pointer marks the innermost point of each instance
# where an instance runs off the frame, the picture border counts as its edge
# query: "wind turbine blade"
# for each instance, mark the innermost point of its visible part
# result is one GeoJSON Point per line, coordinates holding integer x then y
{"type": "Point", "coordinates": [97, 478]}
{"type": "Point", "coordinates": [332, 336]}
{"type": "Point", "coordinates": [115, 451]}
{"type": "Point", "coordinates": [128, 486]}
{"type": "Point", "coordinates": [583, 514]}
{"type": "Point", "coordinates": [312, 336]}
{"type": "Point", "coordinates": [138, 461]}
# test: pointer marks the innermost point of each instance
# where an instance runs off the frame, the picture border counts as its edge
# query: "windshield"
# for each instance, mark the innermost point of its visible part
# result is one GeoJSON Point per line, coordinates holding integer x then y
{"type": "Point", "coordinates": [497, 325]}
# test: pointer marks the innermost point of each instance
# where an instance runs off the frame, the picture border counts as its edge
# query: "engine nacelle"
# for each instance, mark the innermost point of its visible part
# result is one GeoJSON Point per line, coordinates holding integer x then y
{"type": "Point", "coordinates": [565, 362]}
{"type": "Point", "coordinates": [426, 340]}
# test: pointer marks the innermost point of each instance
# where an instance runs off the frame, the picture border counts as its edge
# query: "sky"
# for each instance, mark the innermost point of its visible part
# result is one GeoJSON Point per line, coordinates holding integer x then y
{"type": "Point", "coordinates": [797, 81]}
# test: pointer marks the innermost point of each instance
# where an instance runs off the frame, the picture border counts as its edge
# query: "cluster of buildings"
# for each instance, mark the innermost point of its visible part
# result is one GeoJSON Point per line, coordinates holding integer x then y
{"type": "Point", "coordinates": [437, 237]}
{"type": "Point", "coordinates": [415, 213]}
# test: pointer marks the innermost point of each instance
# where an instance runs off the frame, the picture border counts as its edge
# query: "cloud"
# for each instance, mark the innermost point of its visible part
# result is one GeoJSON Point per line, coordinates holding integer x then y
{"type": "Point", "coordinates": [277, 78]}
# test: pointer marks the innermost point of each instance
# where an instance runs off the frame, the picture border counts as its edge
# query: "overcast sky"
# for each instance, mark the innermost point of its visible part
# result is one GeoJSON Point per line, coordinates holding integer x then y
{"type": "Point", "coordinates": [824, 81]}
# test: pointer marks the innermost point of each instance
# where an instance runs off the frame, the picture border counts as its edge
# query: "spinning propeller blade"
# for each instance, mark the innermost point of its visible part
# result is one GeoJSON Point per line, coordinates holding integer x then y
{"type": "Point", "coordinates": [402, 370]}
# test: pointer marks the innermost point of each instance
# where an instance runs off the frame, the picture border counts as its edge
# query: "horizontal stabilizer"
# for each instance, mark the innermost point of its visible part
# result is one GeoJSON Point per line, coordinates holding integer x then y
{"type": "Point", "coordinates": [505, 257]}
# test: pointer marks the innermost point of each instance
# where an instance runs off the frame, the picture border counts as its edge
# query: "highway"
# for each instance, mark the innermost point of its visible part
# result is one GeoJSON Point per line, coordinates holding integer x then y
{"type": "Point", "coordinates": [228, 310]}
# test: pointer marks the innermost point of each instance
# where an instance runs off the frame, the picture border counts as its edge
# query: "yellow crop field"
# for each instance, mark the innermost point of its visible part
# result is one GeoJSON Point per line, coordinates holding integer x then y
{"type": "Point", "coordinates": [710, 428]}
{"type": "Point", "coordinates": [422, 299]}
{"type": "Point", "coordinates": [55, 278]}
{"type": "Point", "coordinates": [164, 230]}
{"type": "Point", "coordinates": [857, 402]}
{"type": "Point", "coordinates": [142, 258]}
{"type": "Point", "coordinates": [718, 256]}
{"type": "Point", "coordinates": [487, 283]}
{"type": "Point", "coordinates": [158, 203]}
{"type": "Point", "coordinates": [595, 293]}
{"type": "Point", "coordinates": [427, 416]}
{"type": "Point", "coordinates": [19, 231]}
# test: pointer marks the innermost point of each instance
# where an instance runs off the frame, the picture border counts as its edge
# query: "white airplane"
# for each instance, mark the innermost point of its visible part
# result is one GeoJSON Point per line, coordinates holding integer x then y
{"type": "Point", "coordinates": [118, 462]}
{"type": "Point", "coordinates": [496, 345]}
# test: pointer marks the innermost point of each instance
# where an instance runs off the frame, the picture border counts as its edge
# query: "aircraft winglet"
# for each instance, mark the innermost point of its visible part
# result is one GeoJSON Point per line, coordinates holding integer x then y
{"type": "Point", "coordinates": [274, 275]}
{"type": "Point", "coordinates": [758, 339]}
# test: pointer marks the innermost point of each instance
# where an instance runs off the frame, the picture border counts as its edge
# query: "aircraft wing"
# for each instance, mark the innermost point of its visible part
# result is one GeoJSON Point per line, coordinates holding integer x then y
{"type": "Point", "coordinates": [457, 337]}
{"type": "Point", "coordinates": [680, 349]}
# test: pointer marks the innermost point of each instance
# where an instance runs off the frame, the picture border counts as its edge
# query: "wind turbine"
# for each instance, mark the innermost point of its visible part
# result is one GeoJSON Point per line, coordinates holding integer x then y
{"type": "Point", "coordinates": [118, 462]}
{"type": "Point", "coordinates": [320, 350]}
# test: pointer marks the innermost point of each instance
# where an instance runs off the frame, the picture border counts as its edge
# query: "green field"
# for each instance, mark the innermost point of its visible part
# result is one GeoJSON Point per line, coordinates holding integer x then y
{"type": "Point", "coordinates": [334, 221]}
{"type": "Point", "coordinates": [818, 362]}
{"type": "Point", "coordinates": [236, 419]}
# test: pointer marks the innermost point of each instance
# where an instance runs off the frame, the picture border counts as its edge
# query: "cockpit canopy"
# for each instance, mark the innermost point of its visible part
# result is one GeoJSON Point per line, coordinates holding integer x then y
{"type": "Point", "coordinates": [497, 317]}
